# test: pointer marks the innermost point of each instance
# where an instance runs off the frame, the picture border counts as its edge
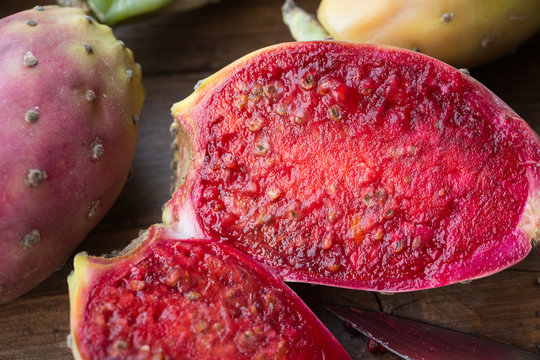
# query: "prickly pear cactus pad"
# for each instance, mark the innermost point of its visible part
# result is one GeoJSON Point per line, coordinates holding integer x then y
{"type": "Point", "coordinates": [70, 96]}
{"type": "Point", "coordinates": [191, 299]}
{"type": "Point", "coordinates": [358, 166]}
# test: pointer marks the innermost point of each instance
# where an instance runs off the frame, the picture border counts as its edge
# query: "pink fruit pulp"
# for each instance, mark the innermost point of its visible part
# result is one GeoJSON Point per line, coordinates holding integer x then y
{"type": "Point", "coordinates": [196, 300]}
{"type": "Point", "coordinates": [360, 166]}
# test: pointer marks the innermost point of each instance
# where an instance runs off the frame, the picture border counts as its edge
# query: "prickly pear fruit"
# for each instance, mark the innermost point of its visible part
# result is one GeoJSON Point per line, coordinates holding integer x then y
{"type": "Point", "coordinates": [111, 12]}
{"type": "Point", "coordinates": [71, 96]}
{"type": "Point", "coordinates": [190, 299]}
{"type": "Point", "coordinates": [359, 166]}
{"type": "Point", "coordinates": [461, 32]}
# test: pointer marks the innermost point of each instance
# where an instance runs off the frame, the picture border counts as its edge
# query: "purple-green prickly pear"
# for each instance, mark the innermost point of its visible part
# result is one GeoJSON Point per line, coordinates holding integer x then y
{"type": "Point", "coordinates": [71, 96]}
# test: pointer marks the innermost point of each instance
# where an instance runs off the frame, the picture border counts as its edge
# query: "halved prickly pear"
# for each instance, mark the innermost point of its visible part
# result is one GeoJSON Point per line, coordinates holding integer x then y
{"type": "Point", "coordinates": [358, 166]}
{"type": "Point", "coordinates": [71, 96]}
{"type": "Point", "coordinates": [191, 299]}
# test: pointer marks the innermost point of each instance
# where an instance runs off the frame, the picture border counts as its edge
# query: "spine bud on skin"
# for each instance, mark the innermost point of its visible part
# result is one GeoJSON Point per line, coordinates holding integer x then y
{"type": "Point", "coordinates": [32, 115]}
{"type": "Point", "coordinates": [35, 177]}
{"type": "Point", "coordinates": [29, 59]}
{"type": "Point", "coordinates": [31, 239]}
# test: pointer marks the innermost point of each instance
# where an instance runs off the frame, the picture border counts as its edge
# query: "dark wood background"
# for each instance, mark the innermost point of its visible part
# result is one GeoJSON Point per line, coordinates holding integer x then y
{"type": "Point", "coordinates": [175, 51]}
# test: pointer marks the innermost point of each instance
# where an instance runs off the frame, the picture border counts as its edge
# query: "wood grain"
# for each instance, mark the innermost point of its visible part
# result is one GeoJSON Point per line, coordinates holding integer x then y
{"type": "Point", "coordinates": [175, 51]}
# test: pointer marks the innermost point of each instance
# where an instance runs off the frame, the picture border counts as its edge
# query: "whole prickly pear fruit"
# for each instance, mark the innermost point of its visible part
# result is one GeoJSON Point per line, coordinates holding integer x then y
{"type": "Point", "coordinates": [460, 32]}
{"type": "Point", "coordinates": [71, 96]}
{"type": "Point", "coordinates": [112, 12]}
{"type": "Point", "coordinates": [189, 299]}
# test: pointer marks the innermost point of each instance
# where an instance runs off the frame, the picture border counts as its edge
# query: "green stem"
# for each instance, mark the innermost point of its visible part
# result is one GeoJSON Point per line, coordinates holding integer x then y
{"type": "Point", "coordinates": [303, 25]}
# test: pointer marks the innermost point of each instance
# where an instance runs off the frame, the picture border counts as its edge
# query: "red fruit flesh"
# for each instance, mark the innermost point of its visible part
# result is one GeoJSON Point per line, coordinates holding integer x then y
{"type": "Point", "coordinates": [190, 299]}
{"type": "Point", "coordinates": [359, 166]}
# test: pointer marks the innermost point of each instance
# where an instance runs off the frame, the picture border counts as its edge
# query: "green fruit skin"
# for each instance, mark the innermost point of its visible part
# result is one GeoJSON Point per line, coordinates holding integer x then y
{"type": "Point", "coordinates": [112, 12]}
{"type": "Point", "coordinates": [463, 33]}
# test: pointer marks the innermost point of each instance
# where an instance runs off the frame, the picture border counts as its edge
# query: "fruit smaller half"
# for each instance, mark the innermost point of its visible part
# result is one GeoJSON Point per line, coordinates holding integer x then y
{"type": "Point", "coordinates": [189, 299]}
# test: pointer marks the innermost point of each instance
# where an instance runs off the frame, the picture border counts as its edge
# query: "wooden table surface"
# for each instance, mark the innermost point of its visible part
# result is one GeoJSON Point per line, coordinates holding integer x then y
{"type": "Point", "coordinates": [175, 51]}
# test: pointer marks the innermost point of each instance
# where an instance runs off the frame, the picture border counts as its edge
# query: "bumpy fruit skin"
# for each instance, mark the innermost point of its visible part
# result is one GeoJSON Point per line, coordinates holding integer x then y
{"type": "Point", "coordinates": [460, 32]}
{"type": "Point", "coordinates": [71, 96]}
{"type": "Point", "coordinates": [359, 166]}
{"type": "Point", "coordinates": [169, 298]}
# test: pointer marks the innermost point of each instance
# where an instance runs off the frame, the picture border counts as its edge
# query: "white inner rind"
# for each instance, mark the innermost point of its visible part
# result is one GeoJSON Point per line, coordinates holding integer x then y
{"type": "Point", "coordinates": [187, 226]}
{"type": "Point", "coordinates": [530, 219]}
